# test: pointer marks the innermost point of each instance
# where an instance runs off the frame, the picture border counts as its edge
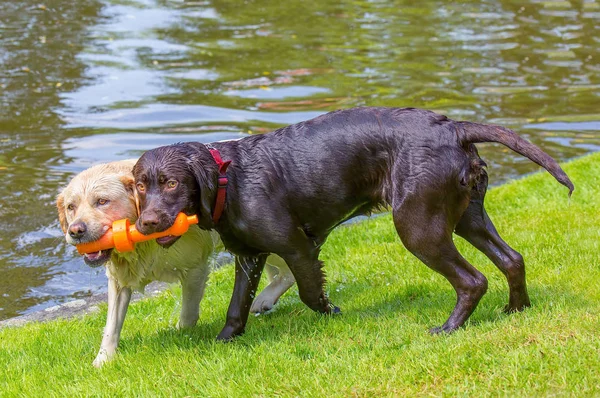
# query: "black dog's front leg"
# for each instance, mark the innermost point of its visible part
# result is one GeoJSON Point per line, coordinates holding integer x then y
{"type": "Point", "coordinates": [247, 275]}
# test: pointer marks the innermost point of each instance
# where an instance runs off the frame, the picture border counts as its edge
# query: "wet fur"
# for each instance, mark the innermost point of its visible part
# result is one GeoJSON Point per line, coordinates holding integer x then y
{"type": "Point", "coordinates": [290, 188]}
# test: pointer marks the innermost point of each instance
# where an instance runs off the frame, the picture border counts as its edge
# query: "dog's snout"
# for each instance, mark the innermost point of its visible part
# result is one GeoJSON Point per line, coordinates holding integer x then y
{"type": "Point", "coordinates": [148, 223]}
{"type": "Point", "coordinates": [77, 230]}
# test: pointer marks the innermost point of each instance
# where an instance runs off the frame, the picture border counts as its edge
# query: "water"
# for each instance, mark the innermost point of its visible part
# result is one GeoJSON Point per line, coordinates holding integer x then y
{"type": "Point", "coordinates": [88, 81]}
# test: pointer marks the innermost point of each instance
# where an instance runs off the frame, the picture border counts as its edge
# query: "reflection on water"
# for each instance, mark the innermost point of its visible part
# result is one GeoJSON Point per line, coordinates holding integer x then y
{"type": "Point", "coordinates": [97, 80]}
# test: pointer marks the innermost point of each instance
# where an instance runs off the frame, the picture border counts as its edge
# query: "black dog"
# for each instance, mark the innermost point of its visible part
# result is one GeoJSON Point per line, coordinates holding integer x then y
{"type": "Point", "coordinates": [290, 188]}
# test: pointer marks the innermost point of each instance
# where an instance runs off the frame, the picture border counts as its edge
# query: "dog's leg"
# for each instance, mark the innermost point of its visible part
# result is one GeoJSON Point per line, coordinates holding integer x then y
{"type": "Point", "coordinates": [425, 221]}
{"type": "Point", "coordinates": [281, 279]}
{"type": "Point", "coordinates": [247, 275]}
{"type": "Point", "coordinates": [431, 241]}
{"type": "Point", "coordinates": [118, 302]}
{"type": "Point", "coordinates": [477, 228]}
{"type": "Point", "coordinates": [308, 272]}
{"type": "Point", "coordinates": [192, 286]}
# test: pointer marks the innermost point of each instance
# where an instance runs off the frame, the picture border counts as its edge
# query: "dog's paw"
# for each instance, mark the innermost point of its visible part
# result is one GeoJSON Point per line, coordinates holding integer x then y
{"type": "Point", "coordinates": [512, 308]}
{"type": "Point", "coordinates": [229, 333]}
{"type": "Point", "coordinates": [444, 329]}
{"type": "Point", "coordinates": [332, 310]}
{"type": "Point", "coordinates": [102, 357]}
{"type": "Point", "coordinates": [436, 330]}
{"type": "Point", "coordinates": [262, 305]}
{"type": "Point", "coordinates": [186, 323]}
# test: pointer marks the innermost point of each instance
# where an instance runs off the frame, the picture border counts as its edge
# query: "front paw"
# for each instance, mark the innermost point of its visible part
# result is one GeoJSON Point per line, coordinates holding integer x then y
{"type": "Point", "coordinates": [186, 323]}
{"type": "Point", "coordinates": [103, 357]}
{"type": "Point", "coordinates": [229, 332]}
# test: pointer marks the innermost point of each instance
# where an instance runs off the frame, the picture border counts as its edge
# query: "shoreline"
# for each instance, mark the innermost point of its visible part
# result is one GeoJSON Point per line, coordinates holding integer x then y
{"type": "Point", "coordinates": [89, 305]}
{"type": "Point", "coordinates": [79, 307]}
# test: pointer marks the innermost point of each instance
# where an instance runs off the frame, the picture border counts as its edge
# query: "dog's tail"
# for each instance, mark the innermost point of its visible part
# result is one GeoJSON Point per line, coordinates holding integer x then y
{"type": "Point", "coordinates": [475, 132]}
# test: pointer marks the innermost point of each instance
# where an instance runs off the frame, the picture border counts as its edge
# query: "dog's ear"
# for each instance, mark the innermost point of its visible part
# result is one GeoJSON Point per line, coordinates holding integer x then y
{"type": "Point", "coordinates": [129, 184]}
{"type": "Point", "coordinates": [205, 172]}
{"type": "Point", "coordinates": [62, 214]}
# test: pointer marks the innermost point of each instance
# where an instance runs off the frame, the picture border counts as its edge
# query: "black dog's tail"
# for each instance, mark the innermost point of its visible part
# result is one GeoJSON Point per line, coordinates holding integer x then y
{"type": "Point", "coordinates": [475, 132]}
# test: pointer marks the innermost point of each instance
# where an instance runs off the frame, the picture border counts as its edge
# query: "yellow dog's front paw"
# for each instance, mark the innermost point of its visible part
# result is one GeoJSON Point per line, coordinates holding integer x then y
{"type": "Point", "coordinates": [102, 357]}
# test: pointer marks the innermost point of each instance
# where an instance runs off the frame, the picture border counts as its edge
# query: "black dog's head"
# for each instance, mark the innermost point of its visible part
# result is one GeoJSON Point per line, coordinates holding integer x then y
{"type": "Point", "coordinates": [173, 179]}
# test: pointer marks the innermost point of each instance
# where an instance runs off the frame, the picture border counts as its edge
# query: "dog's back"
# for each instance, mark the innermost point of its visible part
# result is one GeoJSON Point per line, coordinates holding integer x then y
{"type": "Point", "coordinates": [348, 162]}
{"type": "Point", "coordinates": [344, 163]}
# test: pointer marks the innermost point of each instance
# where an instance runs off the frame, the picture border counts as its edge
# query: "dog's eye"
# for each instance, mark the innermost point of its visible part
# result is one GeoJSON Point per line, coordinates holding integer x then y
{"type": "Point", "coordinates": [70, 207]}
{"type": "Point", "coordinates": [171, 184]}
{"type": "Point", "coordinates": [102, 202]}
{"type": "Point", "coordinates": [140, 187]}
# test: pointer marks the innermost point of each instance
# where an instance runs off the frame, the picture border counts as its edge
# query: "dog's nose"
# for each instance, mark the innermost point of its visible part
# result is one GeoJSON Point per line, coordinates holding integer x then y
{"type": "Point", "coordinates": [77, 230]}
{"type": "Point", "coordinates": [149, 222]}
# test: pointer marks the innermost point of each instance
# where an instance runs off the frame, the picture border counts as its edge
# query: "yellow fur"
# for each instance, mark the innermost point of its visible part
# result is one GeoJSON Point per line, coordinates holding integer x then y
{"type": "Point", "coordinates": [185, 261]}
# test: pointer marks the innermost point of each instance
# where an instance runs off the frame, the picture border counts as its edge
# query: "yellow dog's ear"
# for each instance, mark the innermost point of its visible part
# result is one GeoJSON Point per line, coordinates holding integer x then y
{"type": "Point", "coordinates": [129, 184]}
{"type": "Point", "coordinates": [62, 215]}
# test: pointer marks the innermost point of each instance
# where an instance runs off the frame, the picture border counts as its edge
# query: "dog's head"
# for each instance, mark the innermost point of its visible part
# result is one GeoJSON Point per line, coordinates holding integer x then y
{"type": "Point", "coordinates": [173, 179]}
{"type": "Point", "coordinates": [94, 199]}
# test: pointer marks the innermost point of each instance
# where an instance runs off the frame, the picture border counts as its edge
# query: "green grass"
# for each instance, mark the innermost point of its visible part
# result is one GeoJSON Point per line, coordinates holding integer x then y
{"type": "Point", "coordinates": [379, 346]}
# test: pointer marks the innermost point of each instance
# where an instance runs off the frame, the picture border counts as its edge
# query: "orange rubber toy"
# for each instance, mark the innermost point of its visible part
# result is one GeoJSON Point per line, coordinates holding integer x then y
{"type": "Point", "coordinates": [123, 236]}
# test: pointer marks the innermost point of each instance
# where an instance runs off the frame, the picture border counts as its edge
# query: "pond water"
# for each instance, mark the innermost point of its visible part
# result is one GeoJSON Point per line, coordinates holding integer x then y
{"type": "Point", "coordinates": [90, 81]}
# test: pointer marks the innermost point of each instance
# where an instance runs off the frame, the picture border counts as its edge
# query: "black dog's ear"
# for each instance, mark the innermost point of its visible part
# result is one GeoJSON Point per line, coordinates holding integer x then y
{"type": "Point", "coordinates": [205, 172]}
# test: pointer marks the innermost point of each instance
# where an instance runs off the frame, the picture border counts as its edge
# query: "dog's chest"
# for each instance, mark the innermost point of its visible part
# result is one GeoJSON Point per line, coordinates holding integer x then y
{"type": "Point", "coordinates": [164, 269]}
{"type": "Point", "coordinates": [235, 245]}
{"type": "Point", "coordinates": [150, 262]}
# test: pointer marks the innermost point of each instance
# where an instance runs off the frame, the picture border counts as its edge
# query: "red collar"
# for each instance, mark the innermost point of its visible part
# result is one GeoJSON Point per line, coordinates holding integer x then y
{"type": "Point", "coordinates": [222, 185]}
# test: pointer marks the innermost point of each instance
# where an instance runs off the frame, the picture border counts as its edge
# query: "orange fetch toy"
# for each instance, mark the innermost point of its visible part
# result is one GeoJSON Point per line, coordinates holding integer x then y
{"type": "Point", "coordinates": [123, 236]}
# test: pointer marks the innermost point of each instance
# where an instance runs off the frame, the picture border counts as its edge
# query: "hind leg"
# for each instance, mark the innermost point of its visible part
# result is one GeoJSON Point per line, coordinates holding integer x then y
{"type": "Point", "coordinates": [301, 254]}
{"type": "Point", "coordinates": [477, 228]}
{"type": "Point", "coordinates": [425, 222]}
{"type": "Point", "coordinates": [307, 270]}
